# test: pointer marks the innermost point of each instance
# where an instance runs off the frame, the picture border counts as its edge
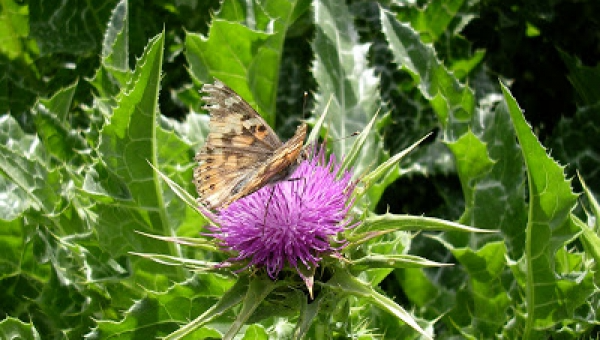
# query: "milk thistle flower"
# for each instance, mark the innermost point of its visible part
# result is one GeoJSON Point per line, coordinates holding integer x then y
{"type": "Point", "coordinates": [293, 222]}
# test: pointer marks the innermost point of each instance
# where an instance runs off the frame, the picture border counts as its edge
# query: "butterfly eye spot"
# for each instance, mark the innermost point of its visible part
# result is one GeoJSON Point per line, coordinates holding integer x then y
{"type": "Point", "coordinates": [212, 187]}
{"type": "Point", "coordinates": [258, 129]}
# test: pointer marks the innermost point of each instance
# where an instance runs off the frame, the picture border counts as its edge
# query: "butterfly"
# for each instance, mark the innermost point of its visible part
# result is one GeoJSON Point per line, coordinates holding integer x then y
{"type": "Point", "coordinates": [242, 153]}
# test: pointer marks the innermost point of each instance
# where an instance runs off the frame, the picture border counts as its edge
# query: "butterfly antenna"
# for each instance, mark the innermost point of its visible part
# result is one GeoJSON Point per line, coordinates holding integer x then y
{"type": "Point", "coordinates": [303, 190]}
{"type": "Point", "coordinates": [353, 134]}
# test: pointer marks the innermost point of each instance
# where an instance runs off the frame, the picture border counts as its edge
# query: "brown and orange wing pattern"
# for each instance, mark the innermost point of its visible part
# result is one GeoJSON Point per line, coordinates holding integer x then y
{"type": "Point", "coordinates": [242, 153]}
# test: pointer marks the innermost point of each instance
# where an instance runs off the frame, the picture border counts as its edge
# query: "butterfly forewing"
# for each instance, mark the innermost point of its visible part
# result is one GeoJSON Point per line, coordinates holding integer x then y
{"type": "Point", "coordinates": [242, 153]}
{"type": "Point", "coordinates": [231, 116]}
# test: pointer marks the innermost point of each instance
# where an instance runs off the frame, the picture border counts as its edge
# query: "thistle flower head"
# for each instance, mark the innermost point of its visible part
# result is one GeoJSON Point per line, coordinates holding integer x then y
{"type": "Point", "coordinates": [292, 222]}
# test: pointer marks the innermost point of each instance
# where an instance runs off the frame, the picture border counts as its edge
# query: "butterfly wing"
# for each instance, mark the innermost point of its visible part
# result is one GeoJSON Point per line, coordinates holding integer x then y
{"type": "Point", "coordinates": [232, 116]}
{"type": "Point", "coordinates": [239, 141]}
{"type": "Point", "coordinates": [276, 168]}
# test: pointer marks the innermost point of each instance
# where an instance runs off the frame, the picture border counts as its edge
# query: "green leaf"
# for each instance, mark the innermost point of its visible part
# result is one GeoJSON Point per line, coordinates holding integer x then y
{"type": "Point", "coordinates": [227, 54]}
{"type": "Point", "coordinates": [575, 142]}
{"type": "Point", "coordinates": [15, 200]}
{"type": "Point", "coordinates": [24, 162]}
{"type": "Point", "coordinates": [551, 200]}
{"type": "Point", "coordinates": [408, 222]}
{"type": "Point", "coordinates": [11, 328]}
{"type": "Point", "coordinates": [114, 71]}
{"type": "Point", "coordinates": [490, 301]}
{"type": "Point", "coordinates": [258, 289]}
{"type": "Point", "coordinates": [53, 128]}
{"type": "Point", "coordinates": [14, 26]}
{"type": "Point", "coordinates": [308, 315]}
{"type": "Point", "coordinates": [342, 281]}
{"type": "Point", "coordinates": [57, 30]}
{"type": "Point", "coordinates": [174, 157]}
{"type": "Point", "coordinates": [313, 136]}
{"type": "Point", "coordinates": [589, 236]}
{"type": "Point", "coordinates": [255, 332]}
{"type": "Point", "coordinates": [128, 142]}
{"type": "Point", "coordinates": [434, 20]}
{"type": "Point", "coordinates": [472, 160]}
{"type": "Point", "coordinates": [585, 80]}
{"type": "Point", "coordinates": [346, 85]}
{"type": "Point", "coordinates": [491, 173]}
{"type": "Point", "coordinates": [160, 313]}
{"type": "Point", "coordinates": [193, 129]}
{"type": "Point", "coordinates": [394, 261]}
{"type": "Point", "coordinates": [358, 145]}
{"type": "Point", "coordinates": [425, 292]}
{"type": "Point", "coordinates": [590, 240]}
{"type": "Point", "coordinates": [594, 205]}
{"type": "Point", "coordinates": [15, 251]}
{"type": "Point", "coordinates": [244, 49]}
{"type": "Point", "coordinates": [451, 101]}
{"type": "Point", "coordinates": [115, 45]}
{"type": "Point", "coordinates": [196, 265]}
{"type": "Point", "coordinates": [61, 102]}
{"type": "Point", "coordinates": [128, 139]}
{"type": "Point", "coordinates": [494, 194]}
{"type": "Point", "coordinates": [178, 190]}
{"type": "Point", "coordinates": [228, 300]}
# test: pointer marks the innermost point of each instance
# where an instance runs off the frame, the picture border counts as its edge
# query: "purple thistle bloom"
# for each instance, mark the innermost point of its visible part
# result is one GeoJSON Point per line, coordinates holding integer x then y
{"type": "Point", "coordinates": [291, 221]}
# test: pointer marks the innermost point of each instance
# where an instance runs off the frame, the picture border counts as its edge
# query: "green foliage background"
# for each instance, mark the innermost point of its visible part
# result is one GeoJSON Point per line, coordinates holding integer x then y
{"type": "Point", "coordinates": [92, 93]}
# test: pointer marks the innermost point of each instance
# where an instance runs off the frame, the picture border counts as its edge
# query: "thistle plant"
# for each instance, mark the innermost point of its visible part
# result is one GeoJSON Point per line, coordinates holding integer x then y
{"type": "Point", "coordinates": [303, 232]}
{"type": "Point", "coordinates": [102, 115]}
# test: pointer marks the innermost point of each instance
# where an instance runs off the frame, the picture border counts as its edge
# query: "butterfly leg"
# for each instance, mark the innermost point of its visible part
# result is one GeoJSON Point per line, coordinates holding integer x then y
{"type": "Point", "coordinates": [267, 209]}
{"type": "Point", "coordinates": [271, 197]}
